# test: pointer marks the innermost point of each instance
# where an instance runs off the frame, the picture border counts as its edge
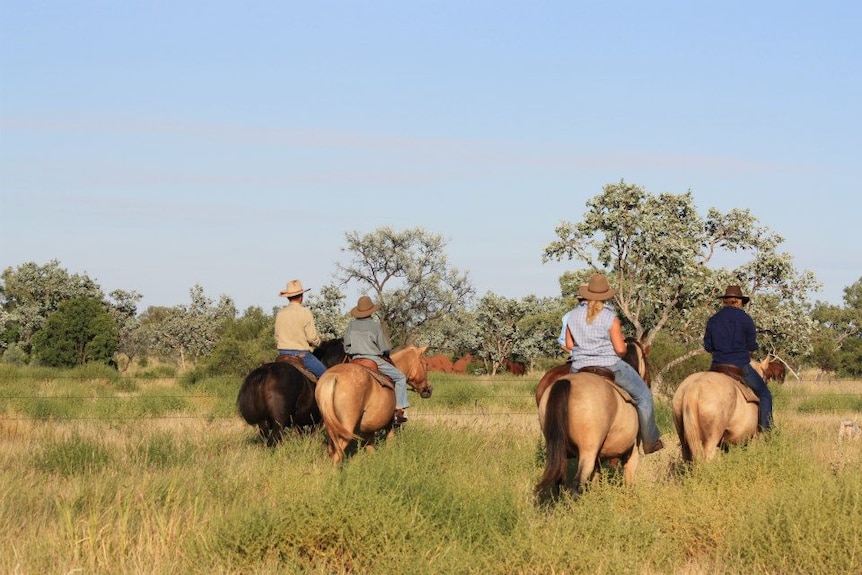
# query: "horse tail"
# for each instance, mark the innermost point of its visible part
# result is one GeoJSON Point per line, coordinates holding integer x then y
{"type": "Point", "coordinates": [251, 400]}
{"type": "Point", "coordinates": [556, 432]}
{"type": "Point", "coordinates": [335, 429]}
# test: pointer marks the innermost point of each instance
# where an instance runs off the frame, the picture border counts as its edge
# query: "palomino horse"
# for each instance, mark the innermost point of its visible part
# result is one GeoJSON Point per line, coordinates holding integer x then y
{"type": "Point", "coordinates": [583, 415]}
{"type": "Point", "coordinates": [712, 410]}
{"type": "Point", "coordinates": [355, 404]}
{"type": "Point", "coordinates": [280, 395]}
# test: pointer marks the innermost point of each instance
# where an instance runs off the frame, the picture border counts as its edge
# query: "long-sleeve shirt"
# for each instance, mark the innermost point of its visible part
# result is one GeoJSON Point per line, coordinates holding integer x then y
{"type": "Point", "coordinates": [294, 328]}
{"type": "Point", "coordinates": [730, 336]}
{"type": "Point", "coordinates": [364, 336]}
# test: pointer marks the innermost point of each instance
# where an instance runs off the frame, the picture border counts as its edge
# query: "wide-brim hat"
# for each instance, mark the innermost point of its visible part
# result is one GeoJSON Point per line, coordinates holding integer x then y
{"type": "Point", "coordinates": [364, 308]}
{"type": "Point", "coordinates": [734, 291]}
{"type": "Point", "coordinates": [294, 287]}
{"type": "Point", "coordinates": [597, 289]}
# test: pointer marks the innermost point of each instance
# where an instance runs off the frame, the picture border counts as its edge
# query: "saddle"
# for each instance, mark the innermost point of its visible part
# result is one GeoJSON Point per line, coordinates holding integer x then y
{"type": "Point", "coordinates": [735, 373]}
{"type": "Point", "coordinates": [296, 362]}
{"type": "Point", "coordinates": [608, 374]}
{"type": "Point", "coordinates": [372, 367]}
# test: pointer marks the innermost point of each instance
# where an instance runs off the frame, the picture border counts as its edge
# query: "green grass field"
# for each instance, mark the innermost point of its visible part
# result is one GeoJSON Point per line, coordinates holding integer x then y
{"type": "Point", "coordinates": [104, 474]}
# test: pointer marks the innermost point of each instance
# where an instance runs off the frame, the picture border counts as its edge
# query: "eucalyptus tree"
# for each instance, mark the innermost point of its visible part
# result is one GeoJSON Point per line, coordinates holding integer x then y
{"type": "Point", "coordinates": [660, 254]}
{"type": "Point", "coordinates": [514, 328]}
{"type": "Point", "coordinates": [327, 306]}
{"type": "Point", "coordinates": [837, 341]}
{"type": "Point", "coordinates": [188, 332]}
{"type": "Point", "coordinates": [408, 275]}
{"type": "Point", "coordinates": [32, 292]}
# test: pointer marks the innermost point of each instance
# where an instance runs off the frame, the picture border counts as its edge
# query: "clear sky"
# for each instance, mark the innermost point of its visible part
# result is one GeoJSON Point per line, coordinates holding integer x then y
{"type": "Point", "coordinates": [154, 145]}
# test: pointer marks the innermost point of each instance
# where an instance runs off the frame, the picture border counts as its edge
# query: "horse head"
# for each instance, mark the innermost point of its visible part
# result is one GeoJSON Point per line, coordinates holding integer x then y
{"type": "Point", "coordinates": [411, 362]}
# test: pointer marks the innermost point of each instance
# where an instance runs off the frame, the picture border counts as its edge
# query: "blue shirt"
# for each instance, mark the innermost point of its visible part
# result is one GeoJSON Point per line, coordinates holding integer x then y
{"type": "Point", "coordinates": [593, 345]}
{"type": "Point", "coordinates": [730, 336]}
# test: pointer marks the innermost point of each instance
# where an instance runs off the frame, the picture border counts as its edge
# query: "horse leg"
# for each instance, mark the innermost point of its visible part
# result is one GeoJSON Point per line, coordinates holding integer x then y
{"type": "Point", "coordinates": [630, 465]}
{"type": "Point", "coordinates": [585, 473]}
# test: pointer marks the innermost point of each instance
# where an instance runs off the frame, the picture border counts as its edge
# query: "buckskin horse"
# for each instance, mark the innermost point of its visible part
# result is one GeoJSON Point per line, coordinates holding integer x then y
{"type": "Point", "coordinates": [279, 395]}
{"type": "Point", "coordinates": [585, 415]}
{"type": "Point", "coordinates": [357, 402]}
{"type": "Point", "coordinates": [713, 410]}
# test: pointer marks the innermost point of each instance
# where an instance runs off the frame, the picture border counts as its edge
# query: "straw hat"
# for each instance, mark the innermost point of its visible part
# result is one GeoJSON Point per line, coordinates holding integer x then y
{"type": "Point", "coordinates": [597, 289]}
{"type": "Point", "coordinates": [734, 291]}
{"type": "Point", "coordinates": [364, 308]}
{"type": "Point", "coordinates": [294, 287]}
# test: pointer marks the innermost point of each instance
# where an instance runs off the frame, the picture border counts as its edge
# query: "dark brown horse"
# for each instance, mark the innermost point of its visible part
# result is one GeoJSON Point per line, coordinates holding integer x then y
{"type": "Point", "coordinates": [279, 395]}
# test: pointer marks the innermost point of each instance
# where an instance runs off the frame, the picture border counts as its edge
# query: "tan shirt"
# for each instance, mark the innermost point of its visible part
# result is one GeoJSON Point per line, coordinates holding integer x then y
{"type": "Point", "coordinates": [294, 328]}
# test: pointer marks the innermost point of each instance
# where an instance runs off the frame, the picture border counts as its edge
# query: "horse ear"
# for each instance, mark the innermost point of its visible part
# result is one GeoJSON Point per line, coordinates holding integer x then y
{"type": "Point", "coordinates": [423, 349]}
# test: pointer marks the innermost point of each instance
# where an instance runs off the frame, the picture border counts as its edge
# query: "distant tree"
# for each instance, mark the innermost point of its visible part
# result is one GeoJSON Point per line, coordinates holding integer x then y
{"type": "Point", "coordinates": [80, 331]}
{"type": "Point", "coordinates": [245, 343]}
{"type": "Point", "coordinates": [837, 341]}
{"type": "Point", "coordinates": [130, 344]}
{"type": "Point", "coordinates": [658, 251]}
{"type": "Point", "coordinates": [186, 333]}
{"type": "Point", "coordinates": [327, 307]}
{"type": "Point", "coordinates": [408, 275]}
{"type": "Point", "coordinates": [506, 330]}
{"type": "Point", "coordinates": [30, 293]}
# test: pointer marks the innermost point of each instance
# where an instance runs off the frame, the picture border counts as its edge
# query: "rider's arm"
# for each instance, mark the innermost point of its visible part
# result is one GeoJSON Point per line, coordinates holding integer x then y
{"type": "Point", "coordinates": [617, 338]}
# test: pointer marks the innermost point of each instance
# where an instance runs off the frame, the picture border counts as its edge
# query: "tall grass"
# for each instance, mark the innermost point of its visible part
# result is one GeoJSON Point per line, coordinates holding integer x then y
{"type": "Point", "coordinates": [171, 480]}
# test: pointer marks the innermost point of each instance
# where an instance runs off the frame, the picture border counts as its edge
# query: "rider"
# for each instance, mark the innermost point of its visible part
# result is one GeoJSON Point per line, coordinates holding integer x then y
{"type": "Point", "coordinates": [731, 337]}
{"type": "Point", "coordinates": [595, 335]}
{"type": "Point", "coordinates": [295, 333]}
{"type": "Point", "coordinates": [364, 338]}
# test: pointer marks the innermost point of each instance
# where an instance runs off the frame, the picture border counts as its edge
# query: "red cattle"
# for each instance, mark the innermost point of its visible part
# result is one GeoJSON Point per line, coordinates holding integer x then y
{"type": "Point", "coordinates": [460, 366]}
{"type": "Point", "coordinates": [438, 363]}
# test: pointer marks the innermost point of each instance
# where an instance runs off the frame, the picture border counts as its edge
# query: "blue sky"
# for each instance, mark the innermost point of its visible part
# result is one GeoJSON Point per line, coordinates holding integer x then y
{"type": "Point", "coordinates": [158, 145]}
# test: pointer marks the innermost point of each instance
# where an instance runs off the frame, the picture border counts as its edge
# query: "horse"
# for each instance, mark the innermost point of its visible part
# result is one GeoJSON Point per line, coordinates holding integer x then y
{"type": "Point", "coordinates": [279, 395]}
{"type": "Point", "coordinates": [355, 404]}
{"type": "Point", "coordinates": [584, 415]}
{"type": "Point", "coordinates": [774, 370]}
{"type": "Point", "coordinates": [713, 410]}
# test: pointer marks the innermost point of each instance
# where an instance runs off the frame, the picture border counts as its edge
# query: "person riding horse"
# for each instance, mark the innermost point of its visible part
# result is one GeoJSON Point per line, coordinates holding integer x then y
{"type": "Point", "coordinates": [364, 338]}
{"type": "Point", "coordinates": [594, 334]}
{"type": "Point", "coordinates": [730, 337]}
{"type": "Point", "coordinates": [295, 332]}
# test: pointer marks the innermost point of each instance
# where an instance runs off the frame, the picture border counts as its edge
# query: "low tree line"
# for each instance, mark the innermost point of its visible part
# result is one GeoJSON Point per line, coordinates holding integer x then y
{"type": "Point", "coordinates": [657, 249]}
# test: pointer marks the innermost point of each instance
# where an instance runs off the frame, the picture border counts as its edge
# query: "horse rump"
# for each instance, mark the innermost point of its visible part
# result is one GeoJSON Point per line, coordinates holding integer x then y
{"type": "Point", "coordinates": [277, 396]}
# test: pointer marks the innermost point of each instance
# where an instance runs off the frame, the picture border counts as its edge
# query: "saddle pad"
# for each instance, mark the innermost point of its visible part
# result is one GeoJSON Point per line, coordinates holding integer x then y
{"type": "Point", "coordinates": [746, 391]}
{"type": "Point", "coordinates": [371, 366]}
{"type": "Point", "coordinates": [608, 376]}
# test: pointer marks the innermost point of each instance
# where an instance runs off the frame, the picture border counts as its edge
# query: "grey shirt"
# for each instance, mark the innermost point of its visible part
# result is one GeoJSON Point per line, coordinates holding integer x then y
{"type": "Point", "coordinates": [365, 337]}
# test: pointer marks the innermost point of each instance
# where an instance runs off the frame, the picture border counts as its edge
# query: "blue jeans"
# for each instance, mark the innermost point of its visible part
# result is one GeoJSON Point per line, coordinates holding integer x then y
{"type": "Point", "coordinates": [627, 378]}
{"type": "Point", "coordinates": [309, 360]}
{"type": "Point", "coordinates": [758, 386]}
{"type": "Point", "coordinates": [395, 374]}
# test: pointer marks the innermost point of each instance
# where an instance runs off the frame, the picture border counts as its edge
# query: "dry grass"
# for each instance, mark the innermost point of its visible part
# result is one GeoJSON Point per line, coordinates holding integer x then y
{"type": "Point", "coordinates": [191, 490]}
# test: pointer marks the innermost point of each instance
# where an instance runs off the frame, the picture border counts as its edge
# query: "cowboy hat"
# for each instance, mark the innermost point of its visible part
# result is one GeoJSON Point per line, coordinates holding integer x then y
{"type": "Point", "coordinates": [364, 308]}
{"type": "Point", "coordinates": [597, 289]}
{"type": "Point", "coordinates": [294, 288]}
{"type": "Point", "coordinates": [734, 291]}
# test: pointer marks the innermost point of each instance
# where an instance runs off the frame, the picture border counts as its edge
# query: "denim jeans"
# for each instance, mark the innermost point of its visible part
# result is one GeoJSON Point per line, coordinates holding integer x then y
{"type": "Point", "coordinates": [760, 389]}
{"type": "Point", "coordinates": [309, 360]}
{"type": "Point", "coordinates": [386, 368]}
{"type": "Point", "coordinates": [628, 379]}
